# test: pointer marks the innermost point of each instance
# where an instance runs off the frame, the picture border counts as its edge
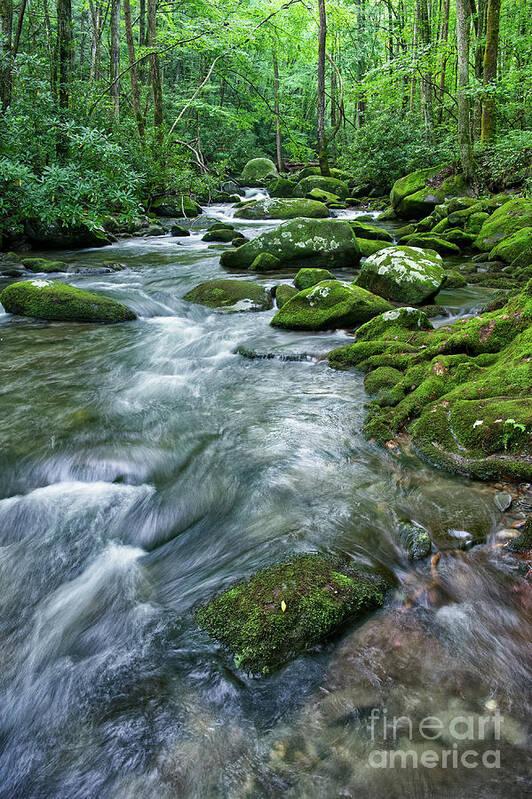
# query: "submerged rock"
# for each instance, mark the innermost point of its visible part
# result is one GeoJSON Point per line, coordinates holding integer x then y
{"type": "Point", "coordinates": [306, 278]}
{"type": "Point", "coordinates": [273, 208]}
{"type": "Point", "coordinates": [403, 274]}
{"type": "Point", "coordinates": [59, 302]}
{"type": "Point", "coordinates": [329, 305]}
{"type": "Point", "coordinates": [415, 539]}
{"type": "Point", "coordinates": [455, 516]}
{"type": "Point", "coordinates": [235, 295]}
{"type": "Point", "coordinates": [257, 171]}
{"type": "Point", "coordinates": [327, 241]}
{"type": "Point", "coordinates": [43, 265]}
{"type": "Point", "coordinates": [287, 609]}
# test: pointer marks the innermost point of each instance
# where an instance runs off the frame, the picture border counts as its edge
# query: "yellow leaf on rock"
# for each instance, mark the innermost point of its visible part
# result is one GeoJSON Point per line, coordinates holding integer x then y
{"type": "Point", "coordinates": [283, 606]}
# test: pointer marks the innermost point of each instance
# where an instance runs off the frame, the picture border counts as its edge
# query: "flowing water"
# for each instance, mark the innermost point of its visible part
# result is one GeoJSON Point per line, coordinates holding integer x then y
{"type": "Point", "coordinates": [145, 467]}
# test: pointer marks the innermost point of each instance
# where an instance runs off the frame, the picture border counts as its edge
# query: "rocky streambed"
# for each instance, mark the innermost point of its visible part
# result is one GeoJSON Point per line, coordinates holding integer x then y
{"type": "Point", "coordinates": [149, 466]}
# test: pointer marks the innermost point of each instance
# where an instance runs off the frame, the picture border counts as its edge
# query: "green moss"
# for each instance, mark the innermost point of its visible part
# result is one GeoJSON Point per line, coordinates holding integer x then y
{"type": "Point", "coordinates": [366, 231]}
{"type": "Point", "coordinates": [524, 539]}
{"type": "Point", "coordinates": [329, 305]}
{"type": "Point", "coordinates": [287, 609]}
{"type": "Point", "coordinates": [281, 187]}
{"type": "Point", "coordinates": [454, 280]}
{"type": "Point", "coordinates": [459, 237]}
{"type": "Point", "coordinates": [323, 196]}
{"type": "Point", "coordinates": [370, 246]}
{"type": "Point", "coordinates": [411, 183]}
{"type": "Point", "coordinates": [43, 265]}
{"type": "Point", "coordinates": [475, 221]}
{"type": "Point", "coordinates": [331, 185]}
{"type": "Point", "coordinates": [53, 301]}
{"type": "Point", "coordinates": [403, 274]}
{"type": "Point", "coordinates": [436, 243]}
{"type": "Point", "coordinates": [509, 218]}
{"type": "Point", "coordinates": [384, 377]}
{"type": "Point", "coordinates": [265, 262]}
{"type": "Point", "coordinates": [179, 206]}
{"type": "Point", "coordinates": [518, 245]}
{"type": "Point", "coordinates": [283, 293]}
{"type": "Point", "coordinates": [219, 234]}
{"type": "Point", "coordinates": [283, 209]}
{"type": "Point", "coordinates": [415, 539]}
{"type": "Point", "coordinates": [306, 278]}
{"type": "Point", "coordinates": [236, 295]}
{"type": "Point", "coordinates": [257, 170]}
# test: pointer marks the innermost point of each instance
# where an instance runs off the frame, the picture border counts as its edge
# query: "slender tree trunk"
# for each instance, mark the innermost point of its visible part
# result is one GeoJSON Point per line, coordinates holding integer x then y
{"type": "Point", "coordinates": [322, 42]}
{"type": "Point", "coordinates": [422, 22]}
{"type": "Point", "coordinates": [480, 33]}
{"type": "Point", "coordinates": [6, 55]}
{"type": "Point", "coordinates": [463, 23]}
{"type": "Point", "coordinates": [361, 65]}
{"type": "Point", "coordinates": [155, 72]}
{"type": "Point", "coordinates": [490, 68]}
{"type": "Point", "coordinates": [142, 23]}
{"type": "Point", "coordinates": [96, 12]}
{"type": "Point", "coordinates": [64, 63]}
{"type": "Point", "coordinates": [18, 32]}
{"type": "Point", "coordinates": [443, 38]}
{"type": "Point", "coordinates": [133, 77]}
{"type": "Point", "coordinates": [278, 150]}
{"type": "Point", "coordinates": [115, 55]}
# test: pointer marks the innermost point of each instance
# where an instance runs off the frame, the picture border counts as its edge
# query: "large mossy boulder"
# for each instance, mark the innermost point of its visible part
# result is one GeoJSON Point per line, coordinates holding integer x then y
{"type": "Point", "coordinates": [518, 245]}
{"type": "Point", "coordinates": [330, 185]}
{"type": "Point", "coordinates": [257, 171]}
{"type": "Point", "coordinates": [329, 242]}
{"type": "Point", "coordinates": [57, 236]}
{"type": "Point", "coordinates": [416, 195]}
{"type": "Point", "coordinates": [277, 208]}
{"type": "Point", "coordinates": [306, 278]}
{"type": "Point", "coordinates": [281, 187]}
{"type": "Point", "coordinates": [365, 231]}
{"type": "Point", "coordinates": [466, 393]}
{"type": "Point", "coordinates": [323, 197]}
{"type": "Point", "coordinates": [403, 274]}
{"type": "Point", "coordinates": [58, 302]}
{"type": "Point", "coordinates": [234, 295]}
{"type": "Point", "coordinates": [178, 206]}
{"type": "Point", "coordinates": [289, 608]}
{"type": "Point", "coordinates": [370, 246]}
{"type": "Point", "coordinates": [431, 242]}
{"type": "Point", "coordinates": [329, 305]}
{"type": "Point", "coordinates": [283, 293]}
{"type": "Point", "coordinates": [506, 220]}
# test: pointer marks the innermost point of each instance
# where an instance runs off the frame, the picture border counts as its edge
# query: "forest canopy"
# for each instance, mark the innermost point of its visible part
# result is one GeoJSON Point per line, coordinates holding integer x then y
{"type": "Point", "coordinates": [108, 104]}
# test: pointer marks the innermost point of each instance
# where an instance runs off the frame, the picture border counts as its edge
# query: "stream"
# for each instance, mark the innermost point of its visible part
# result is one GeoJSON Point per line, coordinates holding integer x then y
{"type": "Point", "coordinates": [145, 467]}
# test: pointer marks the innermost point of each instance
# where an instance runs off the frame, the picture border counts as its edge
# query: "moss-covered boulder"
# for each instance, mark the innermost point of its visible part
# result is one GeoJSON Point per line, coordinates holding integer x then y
{"type": "Point", "coordinates": [509, 218]}
{"type": "Point", "coordinates": [179, 231]}
{"type": "Point", "coordinates": [289, 608]}
{"type": "Point", "coordinates": [454, 280]}
{"type": "Point", "coordinates": [430, 242]}
{"type": "Point", "coordinates": [220, 235]}
{"type": "Point", "coordinates": [331, 185]}
{"type": "Point", "coordinates": [365, 231]}
{"type": "Point", "coordinates": [329, 305]}
{"type": "Point", "coordinates": [235, 295]}
{"type": "Point", "coordinates": [382, 379]}
{"type": "Point", "coordinates": [417, 194]}
{"type": "Point", "coordinates": [329, 242]}
{"type": "Point", "coordinates": [43, 265]}
{"type": "Point", "coordinates": [257, 171]}
{"type": "Point", "coordinates": [306, 278]}
{"type": "Point", "coordinates": [276, 208]}
{"type": "Point", "coordinates": [177, 205]}
{"type": "Point", "coordinates": [403, 274]}
{"type": "Point", "coordinates": [265, 263]}
{"type": "Point", "coordinates": [323, 197]}
{"type": "Point", "coordinates": [283, 293]}
{"type": "Point", "coordinates": [281, 187]}
{"type": "Point", "coordinates": [518, 245]}
{"type": "Point", "coordinates": [58, 302]}
{"type": "Point", "coordinates": [465, 396]}
{"type": "Point", "coordinates": [370, 246]}
{"type": "Point", "coordinates": [523, 541]}
{"type": "Point", "coordinates": [461, 238]}
{"type": "Point", "coordinates": [58, 236]}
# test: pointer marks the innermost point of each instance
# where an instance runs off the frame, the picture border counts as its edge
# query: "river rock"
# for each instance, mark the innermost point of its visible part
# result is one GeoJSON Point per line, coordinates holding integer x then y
{"type": "Point", "coordinates": [456, 516]}
{"type": "Point", "coordinates": [236, 295]}
{"type": "Point", "coordinates": [436, 243]}
{"type": "Point", "coordinates": [415, 539]}
{"type": "Point", "coordinates": [257, 171]}
{"type": "Point", "coordinates": [177, 205]}
{"type": "Point", "coordinates": [414, 196]}
{"type": "Point", "coordinates": [517, 245]}
{"type": "Point", "coordinates": [43, 265]}
{"type": "Point", "coordinates": [274, 208]}
{"type": "Point", "coordinates": [403, 274]}
{"type": "Point", "coordinates": [326, 241]}
{"type": "Point", "coordinates": [329, 305]}
{"type": "Point", "coordinates": [509, 218]}
{"type": "Point", "coordinates": [365, 231]}
{"type": "Point", "coordinates": [219, 234]}
{"type": "Point", "coordinates": [56, 236]}
{"type": "Point", "coordinates": [503, 500]}
{"type": "Point", "coordinates": [283, 293]}
{"type": "Point", "coordinates": [179, 230]}
{"type": "Point", "coordinates": [370, 246]}
{"type": "Point", "coordinates": [44, 299]}
{"type": "Point", "coordinates": [306, 278]}
{"type": "Point", "coordinates": [281, 187]}
{"type": "Point", "coordinates": [330, 185]}
{"type": "Point", "coordinates": [286, 609]}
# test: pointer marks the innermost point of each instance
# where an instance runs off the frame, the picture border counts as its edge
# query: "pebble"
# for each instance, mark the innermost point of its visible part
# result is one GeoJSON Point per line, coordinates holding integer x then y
{"type": "Point", "coordinates": [503, 500]}
{"type": "Point", "coordinates": [504, 535]}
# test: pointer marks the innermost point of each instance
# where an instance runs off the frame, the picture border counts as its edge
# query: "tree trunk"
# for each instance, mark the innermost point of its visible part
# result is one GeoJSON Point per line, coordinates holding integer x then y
{"type": "Point", "coordinates": [142, 23]}
{"type": "Point", "coordinates": [133, 77]}
{"type": "Point", "coordinates": [490, 68]}
{"type": "Point", "coordinates": [6, 56]}
{"type": "Point", "coordinates": [64, 63]}
{"type": "Point", "coordinates": [322, 41]}
{"type": "Point", "coordinates": [480, 32]}
{"type": "Point", "coordinates": [155, 72]}
{"type": "Point", "coordinates": [463, 22]}
{"type": "Point", "coordinates": [96, 12]}
{"type": "Point", "coordinates": [115, 55]}
{"type": "Point", "coordinates": [443, 38]}
{"type": "Point", "coordinates": [278, 150]}
{"type": "Point", "coordinates": [360, 110]}
{"type": "Point", "coordinates": [423, 27]}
